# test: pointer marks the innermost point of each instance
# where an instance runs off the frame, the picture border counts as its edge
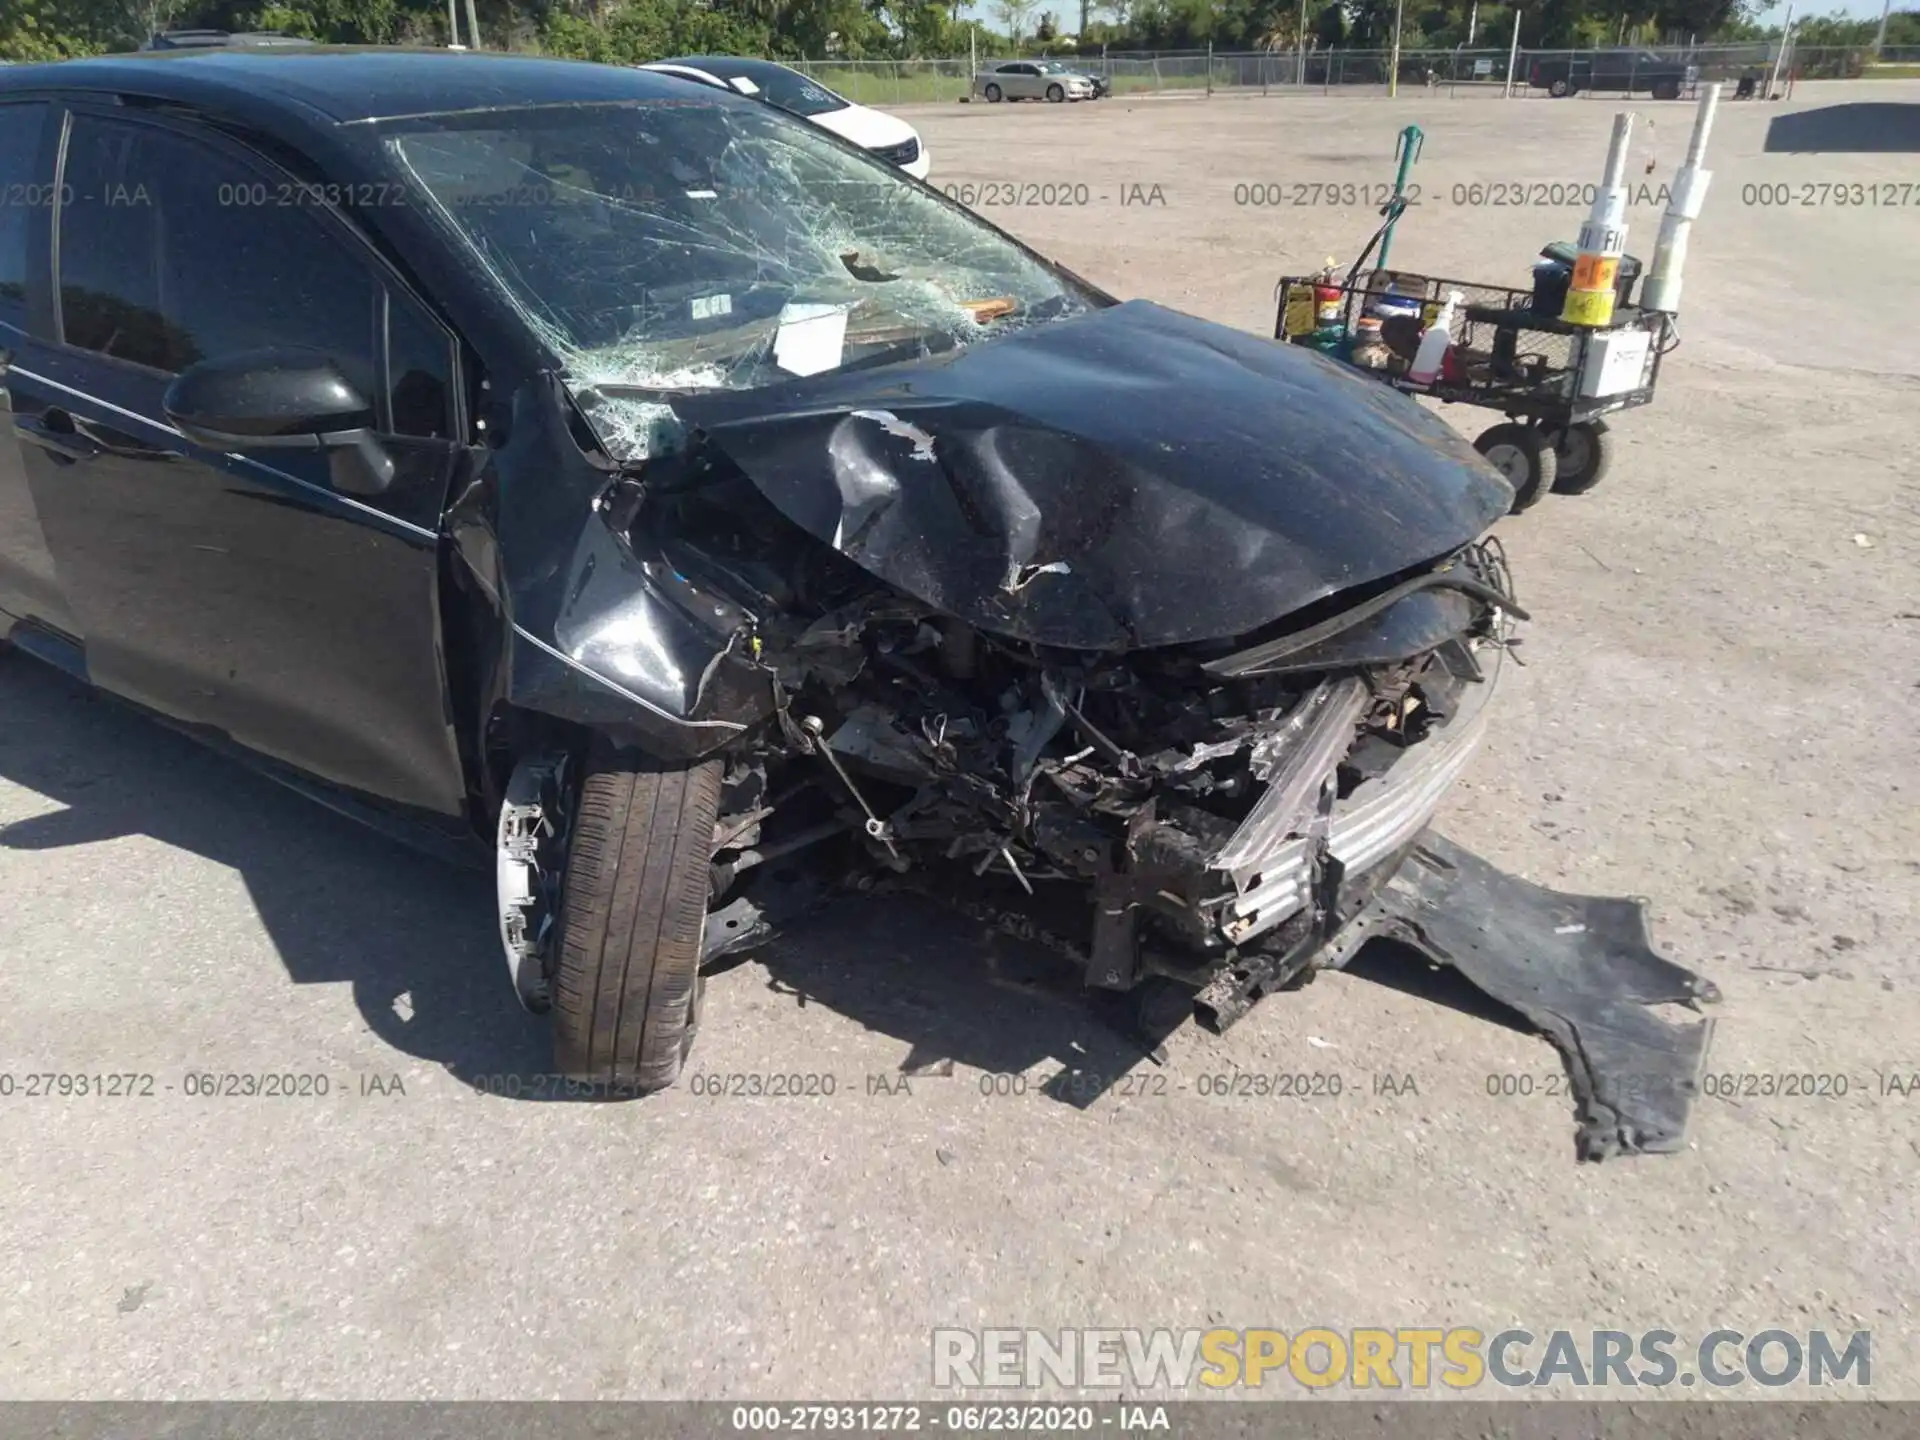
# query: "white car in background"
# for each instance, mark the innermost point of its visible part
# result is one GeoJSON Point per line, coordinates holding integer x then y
{"type": "Point", "coordinates": [885, 136]}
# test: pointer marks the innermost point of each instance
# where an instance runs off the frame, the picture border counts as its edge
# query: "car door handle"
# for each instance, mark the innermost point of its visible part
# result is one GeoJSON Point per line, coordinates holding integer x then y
{"type": "Point", "coordinates": [65, 446]}
{"type": "Point", "coordinates": [107, 440]}
{"type": "Point", "coordinates": [74, 439]}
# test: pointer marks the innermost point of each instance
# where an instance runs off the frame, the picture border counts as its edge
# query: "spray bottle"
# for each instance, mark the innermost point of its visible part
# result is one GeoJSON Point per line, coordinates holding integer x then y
{"type": "Point", "coordinates": [1434, 345]}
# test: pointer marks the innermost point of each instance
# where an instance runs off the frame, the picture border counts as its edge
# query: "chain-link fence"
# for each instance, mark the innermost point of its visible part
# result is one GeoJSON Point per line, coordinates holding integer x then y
{"type": "Point", "coordinates": [1325, 71]}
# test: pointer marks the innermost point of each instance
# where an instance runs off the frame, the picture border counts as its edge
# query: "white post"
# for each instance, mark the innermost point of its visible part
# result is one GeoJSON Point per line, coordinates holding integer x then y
{"type": "Point", "coordinates": [1393, 71]}
{"type": "Point", "coordinates": [1300, 46]}
{"type": "Point", "coordinates": [1661, 289]}
{"type": "Point", "coordinates": [473, 27]}
{"type": "Point", "coordinates": [453, 26]}
{"type": "Point", "coordinates": [1880, 35]}
{"type": "Point", "coordinates": [1473, 21]}
{"type": "Point", "coordinates": [1513, 54]}
{"type": "Point", "coordinates": [1780, 54]}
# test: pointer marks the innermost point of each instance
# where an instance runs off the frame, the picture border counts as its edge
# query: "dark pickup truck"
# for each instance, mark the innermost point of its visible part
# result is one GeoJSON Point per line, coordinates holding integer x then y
{"type": "Point", "coordinates": [1626, 72]}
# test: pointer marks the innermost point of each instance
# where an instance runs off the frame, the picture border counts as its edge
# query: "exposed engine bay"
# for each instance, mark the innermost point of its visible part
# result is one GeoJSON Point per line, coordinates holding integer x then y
{"type": "Point", "coordinates": [1191, 811]}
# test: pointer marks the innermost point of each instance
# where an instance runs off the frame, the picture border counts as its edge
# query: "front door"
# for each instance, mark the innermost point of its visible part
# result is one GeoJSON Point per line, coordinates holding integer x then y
{"type": "Point", "coordinates": [240, 593]}
{"type": "Point", "coordinates": [32, 604]}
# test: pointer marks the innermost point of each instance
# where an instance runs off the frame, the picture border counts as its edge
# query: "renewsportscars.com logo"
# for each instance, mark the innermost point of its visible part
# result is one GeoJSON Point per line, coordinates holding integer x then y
{"type": "Point", "coordinates": [1401, 1358]}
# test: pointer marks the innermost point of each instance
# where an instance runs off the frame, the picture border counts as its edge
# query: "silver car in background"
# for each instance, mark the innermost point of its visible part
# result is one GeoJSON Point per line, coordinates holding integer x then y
{"type": "Point", "coordinates": [1031, 80]}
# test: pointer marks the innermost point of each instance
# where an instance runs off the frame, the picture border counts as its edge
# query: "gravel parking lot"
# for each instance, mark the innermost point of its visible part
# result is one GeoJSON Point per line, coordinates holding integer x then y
{"type": "Point", "coordinates": [1717, 712]}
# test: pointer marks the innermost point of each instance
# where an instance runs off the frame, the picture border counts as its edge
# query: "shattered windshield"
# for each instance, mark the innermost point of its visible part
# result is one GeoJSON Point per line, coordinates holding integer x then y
{"type": "Point", "coordinates": [713, 244]}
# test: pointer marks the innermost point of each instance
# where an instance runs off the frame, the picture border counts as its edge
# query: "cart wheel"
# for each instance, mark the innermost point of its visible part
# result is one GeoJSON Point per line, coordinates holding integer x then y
{"type": "Point", "coordinates": [1522, 454]}
{"type": "Point", "coordinates": [1581, 454]}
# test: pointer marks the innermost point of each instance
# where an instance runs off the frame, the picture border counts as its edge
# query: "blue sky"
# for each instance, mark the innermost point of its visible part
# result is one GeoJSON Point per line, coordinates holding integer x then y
{"type": "Point", "coordinates": [1068, 11]}
{"type": "Point", "coordinates": [1864, 9]}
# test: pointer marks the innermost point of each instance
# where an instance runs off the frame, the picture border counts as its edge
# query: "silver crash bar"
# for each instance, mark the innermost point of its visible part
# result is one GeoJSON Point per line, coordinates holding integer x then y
{"type": "Point", "coordinates": [1268, 858]}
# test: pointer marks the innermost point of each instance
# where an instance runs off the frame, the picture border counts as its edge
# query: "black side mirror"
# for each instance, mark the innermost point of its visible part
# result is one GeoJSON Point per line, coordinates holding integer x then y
{"type": "Point", "coordinates": [282, 400]}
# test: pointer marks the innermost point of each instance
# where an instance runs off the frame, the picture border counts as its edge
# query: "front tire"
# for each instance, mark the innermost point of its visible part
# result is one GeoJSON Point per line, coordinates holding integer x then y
{"type": "Point", "coordinates": [1667, 90]}
{"type": "Point", "coordinates": [1056, 93]}
{"type": "Point", "coordinates": [1521, 454]}
{"type": "Point", "coordinates": [633, 921]}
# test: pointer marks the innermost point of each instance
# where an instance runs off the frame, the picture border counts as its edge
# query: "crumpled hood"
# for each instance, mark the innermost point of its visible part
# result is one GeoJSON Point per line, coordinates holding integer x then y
{"type": "Point", "coordinates": [1127, 477]}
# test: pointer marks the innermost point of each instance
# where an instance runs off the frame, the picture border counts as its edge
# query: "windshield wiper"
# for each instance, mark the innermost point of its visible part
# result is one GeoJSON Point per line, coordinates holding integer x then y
{"type": "Point", "coordinates": [916, 348]}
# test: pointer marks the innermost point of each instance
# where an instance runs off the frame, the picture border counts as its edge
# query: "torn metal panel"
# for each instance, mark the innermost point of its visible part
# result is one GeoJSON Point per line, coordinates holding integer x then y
{"type": "Point", "coordinates": [1580, 967]}
{"type": "Point", "coordinates": [589, 625]}
{"type": "Point", "coordinates": [1123, 477]}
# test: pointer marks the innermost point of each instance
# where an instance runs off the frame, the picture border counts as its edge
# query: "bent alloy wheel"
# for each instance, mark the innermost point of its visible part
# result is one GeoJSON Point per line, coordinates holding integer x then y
{"type": "Point", "coordinates": [1521, 454]}
{"type": "Point", "coordinates": [1581, 455]}
{"type": "Point", "coordinates": [632, 920]}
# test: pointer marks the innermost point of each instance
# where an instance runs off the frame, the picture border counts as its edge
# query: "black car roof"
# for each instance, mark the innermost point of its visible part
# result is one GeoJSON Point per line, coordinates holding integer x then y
{"type": "Point", "coordinates": [346, 84]}
{"type": "Point", "coordinates": [728, 66]}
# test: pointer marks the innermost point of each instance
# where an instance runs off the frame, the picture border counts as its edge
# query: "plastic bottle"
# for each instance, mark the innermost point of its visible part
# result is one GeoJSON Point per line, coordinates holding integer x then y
{"type": "Point", "coordinates": [1435, 343]}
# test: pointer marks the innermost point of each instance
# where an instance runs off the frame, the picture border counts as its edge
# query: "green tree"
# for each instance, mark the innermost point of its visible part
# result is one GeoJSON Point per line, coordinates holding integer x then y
{"type": "Point", "coordinates": [1330, 26]}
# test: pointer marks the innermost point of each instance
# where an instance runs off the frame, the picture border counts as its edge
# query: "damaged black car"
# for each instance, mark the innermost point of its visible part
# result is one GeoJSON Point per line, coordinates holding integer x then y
{"type": "Point", "coordinates": [681, 503]}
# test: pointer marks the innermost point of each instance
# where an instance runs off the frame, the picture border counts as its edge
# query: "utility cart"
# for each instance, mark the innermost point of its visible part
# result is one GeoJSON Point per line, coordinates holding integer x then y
{"type": "Point", "coordinates": [1510, 352]}
{"type": "Point", "coordinates": [1556, 358]}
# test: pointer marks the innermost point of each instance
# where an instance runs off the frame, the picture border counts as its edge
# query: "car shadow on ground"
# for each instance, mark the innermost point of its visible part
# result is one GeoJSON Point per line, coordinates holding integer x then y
{"type": "Point", "coordinates": [1402, 967]}
{"type": "Point", "coordinates": [957, 993]}
{"type": "Point", "coordinates": [414, 937]}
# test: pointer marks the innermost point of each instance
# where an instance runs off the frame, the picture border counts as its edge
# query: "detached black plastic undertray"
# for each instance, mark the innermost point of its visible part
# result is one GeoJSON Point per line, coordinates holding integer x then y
{"type": "Point", "coordinates": [1580, 968]}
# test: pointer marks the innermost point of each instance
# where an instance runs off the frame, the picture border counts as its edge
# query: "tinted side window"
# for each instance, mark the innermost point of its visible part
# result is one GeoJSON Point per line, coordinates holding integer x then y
{"type": "Point", "coordinates": [21, 194]}
{"type": "Point", "coordinates": [172, 252]}
{"type": "Point", "coordinates": [420, 361]}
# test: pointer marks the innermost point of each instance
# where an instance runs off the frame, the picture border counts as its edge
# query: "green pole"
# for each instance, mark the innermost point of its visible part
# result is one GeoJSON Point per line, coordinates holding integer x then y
{"type": "Point", "coordinates": [1406, 149]}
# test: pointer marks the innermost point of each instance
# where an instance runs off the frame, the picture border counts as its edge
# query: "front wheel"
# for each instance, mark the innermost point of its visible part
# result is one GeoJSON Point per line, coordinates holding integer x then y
{"type": "Point", "coordinates": [633, 911]}
{"type": "Point", "coordinates": [1581, 455]}
{"type": "Point", "coordinates": [1666, 90]}
{"type": "Point", "coordinates": [1520, 453]}
{"type": "Point", "coordinates": [1056, 93]}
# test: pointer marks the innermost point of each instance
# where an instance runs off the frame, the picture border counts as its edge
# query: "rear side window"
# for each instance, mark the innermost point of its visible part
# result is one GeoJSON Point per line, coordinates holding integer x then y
{"type": "Point", "coordinates": [173, 251]}
{"type": "Point", "coordinates": [21, 194]}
